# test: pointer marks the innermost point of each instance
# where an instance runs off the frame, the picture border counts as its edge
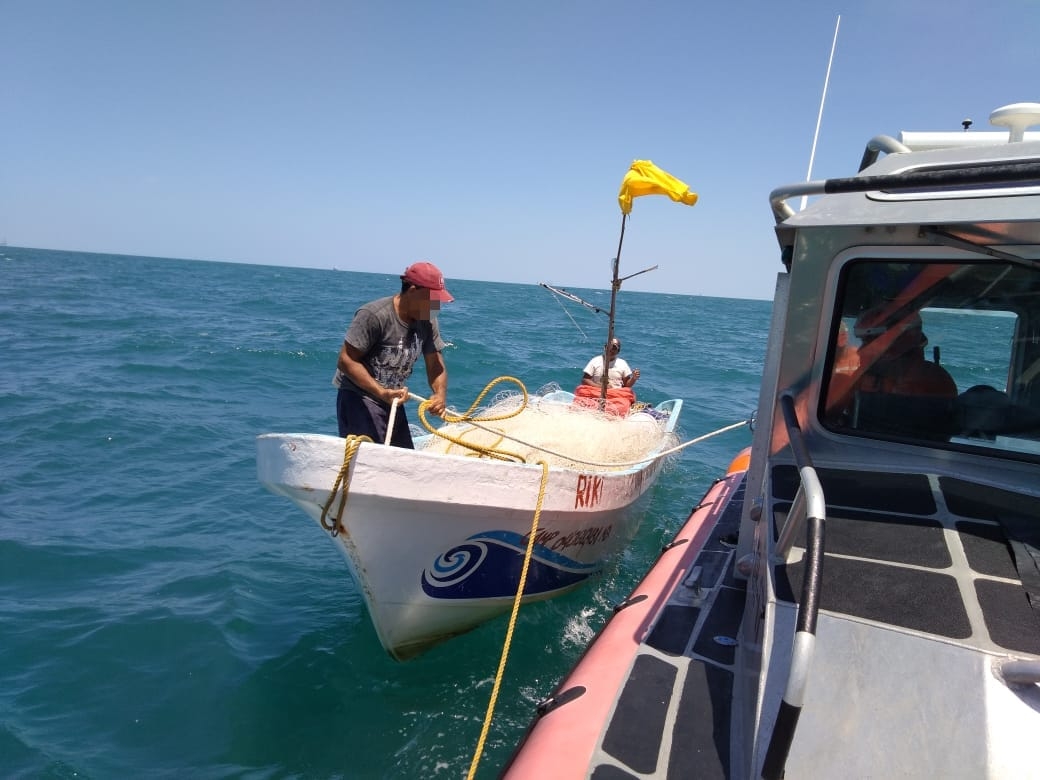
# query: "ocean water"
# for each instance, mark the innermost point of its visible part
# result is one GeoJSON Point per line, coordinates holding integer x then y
{"type": "Point", "coordinates": [163, 615]}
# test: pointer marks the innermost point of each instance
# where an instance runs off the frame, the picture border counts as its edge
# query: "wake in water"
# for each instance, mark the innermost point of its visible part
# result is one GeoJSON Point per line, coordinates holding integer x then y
{"type": "Point", "coordinates": [555, 431]}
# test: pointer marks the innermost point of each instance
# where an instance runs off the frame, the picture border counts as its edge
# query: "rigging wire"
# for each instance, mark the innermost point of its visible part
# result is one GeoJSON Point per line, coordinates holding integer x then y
{"type": "Point", "coordinates": [819, 116]}
{"type": "Point", "coordinates": [571, 317]}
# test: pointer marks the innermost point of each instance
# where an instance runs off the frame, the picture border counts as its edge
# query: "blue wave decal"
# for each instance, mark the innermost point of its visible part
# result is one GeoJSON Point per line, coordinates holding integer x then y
{"type": "Point", "coordinates": [487, 565]}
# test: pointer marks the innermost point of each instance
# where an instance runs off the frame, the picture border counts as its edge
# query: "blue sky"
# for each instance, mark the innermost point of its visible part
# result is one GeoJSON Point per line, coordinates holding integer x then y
{"type": "Point", "coordinates": [487, 137]}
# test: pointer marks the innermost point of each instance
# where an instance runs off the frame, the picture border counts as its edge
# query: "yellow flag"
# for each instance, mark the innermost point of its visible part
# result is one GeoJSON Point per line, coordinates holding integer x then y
{"type": "Point", "coordinates": [645, 178]}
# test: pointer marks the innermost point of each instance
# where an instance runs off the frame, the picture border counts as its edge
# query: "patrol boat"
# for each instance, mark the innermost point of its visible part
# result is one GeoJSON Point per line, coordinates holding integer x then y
{"type": "Point", "coordinates": [859, 595]}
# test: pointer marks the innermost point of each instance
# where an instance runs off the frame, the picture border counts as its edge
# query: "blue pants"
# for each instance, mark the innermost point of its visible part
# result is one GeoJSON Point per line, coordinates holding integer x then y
{"type": "Point", "coordinates": [360, 415]}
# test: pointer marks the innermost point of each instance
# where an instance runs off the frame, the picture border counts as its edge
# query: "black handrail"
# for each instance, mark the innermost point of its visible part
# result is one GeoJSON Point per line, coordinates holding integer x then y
{"type": "Point", "coordinates": [1007, 173]}
{"type": "Point", "coordinates": [809, 605]}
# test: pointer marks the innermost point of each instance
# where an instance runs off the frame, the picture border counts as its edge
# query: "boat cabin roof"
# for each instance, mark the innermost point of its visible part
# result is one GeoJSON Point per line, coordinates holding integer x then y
{"type": "Point", "coordinates": [940, 247]}
{"type": "Point", "coordinates": [1007, 203]}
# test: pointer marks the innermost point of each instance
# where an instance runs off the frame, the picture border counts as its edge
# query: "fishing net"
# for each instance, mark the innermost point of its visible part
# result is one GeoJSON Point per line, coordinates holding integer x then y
{"type": "Point", "coordinates": [554, 430]}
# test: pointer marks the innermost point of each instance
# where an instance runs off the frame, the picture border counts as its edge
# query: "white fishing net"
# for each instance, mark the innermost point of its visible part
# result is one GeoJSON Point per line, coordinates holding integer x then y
{"type": "Point", "coordinates": [557, 432]}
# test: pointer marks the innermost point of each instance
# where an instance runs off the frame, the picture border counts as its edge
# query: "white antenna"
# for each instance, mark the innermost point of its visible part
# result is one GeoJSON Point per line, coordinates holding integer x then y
{"type": "Point", "coordinates": [819, 117]}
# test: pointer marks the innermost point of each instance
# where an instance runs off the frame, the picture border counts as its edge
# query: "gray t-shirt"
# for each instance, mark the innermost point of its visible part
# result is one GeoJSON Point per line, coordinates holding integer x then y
{"type": "Point", "coordinates": [389, 346]}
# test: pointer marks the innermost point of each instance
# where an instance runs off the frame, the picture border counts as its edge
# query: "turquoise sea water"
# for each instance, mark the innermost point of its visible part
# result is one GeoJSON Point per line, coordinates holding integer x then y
{"type": "Point", "coordinates": [163, 615]}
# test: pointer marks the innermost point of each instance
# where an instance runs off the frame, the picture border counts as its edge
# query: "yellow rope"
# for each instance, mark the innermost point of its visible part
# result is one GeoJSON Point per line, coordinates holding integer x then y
{"type": "Point", "coordinates": [350, 448]}
{"type": "Point", "coordinates": [498, 454]}
{"type": "Point", "coordinates": [468, 416]}
{"type": "Point", "coordinates": [351, 444]}
{"type": "Point", "coordinates": [512, 622]}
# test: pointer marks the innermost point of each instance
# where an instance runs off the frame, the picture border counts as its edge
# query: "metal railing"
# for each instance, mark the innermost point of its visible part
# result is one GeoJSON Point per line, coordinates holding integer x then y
{"type": "Point", "coordinates": [996, 173]}
{"type": "Point", "coordinates": [809, 509]}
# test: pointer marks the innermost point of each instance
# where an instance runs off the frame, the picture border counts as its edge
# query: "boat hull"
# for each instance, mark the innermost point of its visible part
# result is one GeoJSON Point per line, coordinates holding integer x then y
{"type": "Point", "coordinates": [567, 737]}
{"type": "Point", "coordinates": [436, 542]}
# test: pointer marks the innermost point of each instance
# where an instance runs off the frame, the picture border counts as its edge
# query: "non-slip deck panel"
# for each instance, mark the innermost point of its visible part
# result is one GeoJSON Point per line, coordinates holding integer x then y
{"type": "Point", "coordinates": [688, 680]}
{"type": "Point", "coordinates": [702, 715]}
{"type": "Point", "coordinates": [722, 623]}
{"type": "Point", "coordinates": [986, 549]}
{"type": "Point", "coordinates": [725, 530]}
{"type": "Point", "coordinates": [911, 598]}
{"type": "Point", "coordinates": [700, 744]}
{"type": "Point", "coordinates": [968, 499]}
{"type": "Point", "coordinates": [611, 772]}
{"type": "Point", "coordinates": [635, 733]}
{"type": "Point", "coordinates": [909, 493]}
{"type": "Point", "coordinates": [895, 556]}
{"type": "Point", "coordinates": [672, 632]}
{"type": "Point", "coordinates": [911, 541]}
{"type": "Point", "coordinates": [712, 565]}
{"type": "Point", "coordinates": [722, 542]}
{"type": "Point", "coordinates": [1006, 611]}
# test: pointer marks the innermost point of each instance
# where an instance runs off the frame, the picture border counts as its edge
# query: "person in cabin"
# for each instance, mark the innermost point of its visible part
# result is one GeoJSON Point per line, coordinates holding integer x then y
{"type": "Point", "coordinates": [620, 378]}
{"type": "Point", "coordinates": [894, 388]}
{"type": "Point", "coordinates": [380, 348]}
{"type": "Point", "coordinates": [892, 353]}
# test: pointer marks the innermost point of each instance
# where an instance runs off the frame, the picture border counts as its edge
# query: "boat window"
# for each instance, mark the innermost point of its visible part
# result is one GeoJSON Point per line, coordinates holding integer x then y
{"type": "Point", "coordinates": [943, 354]}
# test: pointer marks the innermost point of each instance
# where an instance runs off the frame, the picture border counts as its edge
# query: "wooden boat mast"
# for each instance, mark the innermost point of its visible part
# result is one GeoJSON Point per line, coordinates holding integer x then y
{"type": "Point", "coordinates": [615, 285]}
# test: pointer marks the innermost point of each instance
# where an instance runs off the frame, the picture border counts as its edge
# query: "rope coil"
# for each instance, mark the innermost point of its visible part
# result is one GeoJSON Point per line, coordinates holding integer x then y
{"type": "Point", "coordinates": [350, 448]}
{"type": "Point", "coordinates": [469, 417]}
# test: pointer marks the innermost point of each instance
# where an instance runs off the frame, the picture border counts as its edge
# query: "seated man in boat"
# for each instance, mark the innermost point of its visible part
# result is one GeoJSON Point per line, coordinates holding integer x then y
{"type": "Point", "coordinates": [384, 340]}
{"type": "Point", "coordinates": [894, 389]}
{"type": "Point", "coordinates": [620, 378]}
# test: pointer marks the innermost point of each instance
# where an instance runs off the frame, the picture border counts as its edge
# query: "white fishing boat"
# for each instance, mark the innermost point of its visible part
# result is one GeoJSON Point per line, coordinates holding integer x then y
{"type": "Point", "coordinates": [518, 502]}
{"type": "Point", "coordinates": [436, 537]}
{"type": "Point", "coordinates": [860, 596]}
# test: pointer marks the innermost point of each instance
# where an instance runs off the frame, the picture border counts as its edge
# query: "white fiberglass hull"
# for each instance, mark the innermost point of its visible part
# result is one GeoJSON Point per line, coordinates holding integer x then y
{"type": "Point", "coordinates": [436, 542]}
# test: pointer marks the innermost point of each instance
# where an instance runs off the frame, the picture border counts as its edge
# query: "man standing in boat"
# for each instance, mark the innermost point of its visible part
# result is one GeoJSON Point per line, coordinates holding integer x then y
{"type": "Point", "coordinates": [379, 350]}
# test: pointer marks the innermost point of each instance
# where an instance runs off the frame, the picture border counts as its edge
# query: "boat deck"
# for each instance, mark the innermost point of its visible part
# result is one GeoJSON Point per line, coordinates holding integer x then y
{"type": "Point", "coordinates": [923, 554]}
{"type": "Point", "coordinates": [684, 672]}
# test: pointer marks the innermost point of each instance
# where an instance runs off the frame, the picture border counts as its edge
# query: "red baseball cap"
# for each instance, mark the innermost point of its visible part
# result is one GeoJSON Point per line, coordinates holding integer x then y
{"type": "Point", "coordinates": [428, 275]}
